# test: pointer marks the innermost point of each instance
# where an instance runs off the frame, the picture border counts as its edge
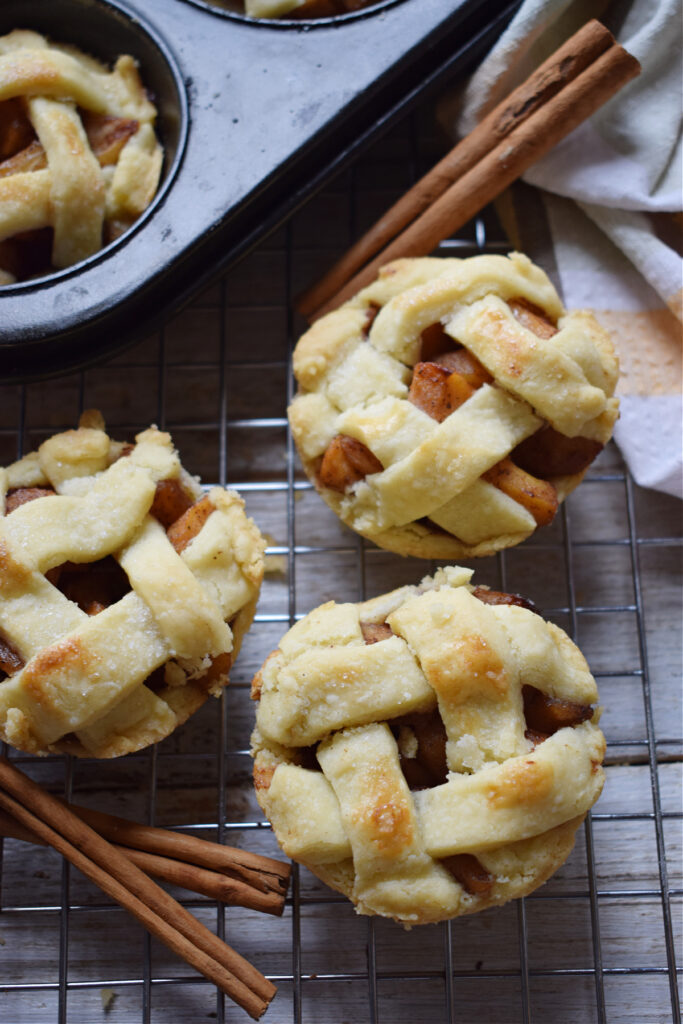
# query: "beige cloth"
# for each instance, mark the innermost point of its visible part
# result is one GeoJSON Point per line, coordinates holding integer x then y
{"type": "Point", "coordinates": [604, 218]}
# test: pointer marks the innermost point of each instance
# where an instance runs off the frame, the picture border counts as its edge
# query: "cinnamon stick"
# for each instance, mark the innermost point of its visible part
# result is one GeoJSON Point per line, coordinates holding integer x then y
{"type": "Point", "coordinates": [209, 883]}
{"type": "Point", "coordinates": [10, 828]}
{"type": "Point", "coordinates": [120, 879]}
{"type": "Point", "coordinates": [182, 872]}
{"type": "Point", "coordinates": [570, 86]}
{"type": "Point", "coordinates": [263, 873]}
{"type": "Point", "coordinates": [558, 70]}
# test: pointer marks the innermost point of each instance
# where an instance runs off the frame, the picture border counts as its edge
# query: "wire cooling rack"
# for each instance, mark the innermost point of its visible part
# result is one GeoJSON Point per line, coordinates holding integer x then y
{"type": "Point", "coordinates": [597, 942]}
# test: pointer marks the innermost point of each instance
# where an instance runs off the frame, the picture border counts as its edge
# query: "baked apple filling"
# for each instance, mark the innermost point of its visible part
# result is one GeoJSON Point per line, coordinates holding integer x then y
{"type": "Point", "coordinates": [95, 586]}
{"type": "Point", "coordinates": [79, 158]}
{"type": "Point", "coordinates": [10, 659]}
{"type": "Point", "coordinates": [124, 592]}
{"type": "Point", "coordinates": [447, 409]}
{"type": "Point", "coordinates": [302, 10]}
{"type": "Point", "coordinates": [422, 738]}
{"type": "Point", "coordinates": [29, 253]}
{"type": "Point", "coordinates": [445, 377]}
{"type": "Point", "coordinates": [470, 872]}
{"type": "Point", "coordinates": [346, 462]}
{"type": "Point", "coordinates": [429, 752]}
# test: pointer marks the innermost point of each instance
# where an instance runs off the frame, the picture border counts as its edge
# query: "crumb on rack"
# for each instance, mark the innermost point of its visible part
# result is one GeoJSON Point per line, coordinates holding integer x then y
{"type": "Point", "coordinates": [107, 995]}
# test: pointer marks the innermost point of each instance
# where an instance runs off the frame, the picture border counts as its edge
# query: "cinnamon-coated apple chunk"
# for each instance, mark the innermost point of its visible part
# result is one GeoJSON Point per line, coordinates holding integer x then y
{"type": "Point", "coordinates": [489, 596]}
{"type": "Point", "coordinates": [106, 135]}
{"type": "Point", "coordinates": [470, 872]}
{"type": "Point", "coordinates": [10, 659]}
{"type": "Point", "coordinates": [31, 158]}
{"type": "Point", "coordinates": [532, 317]}
{"type": "Point", "coordinates": [439, 390]}
{"type": "Point", "coordinates": [429, 390]}
{"type": "Point", "coordinates": [459, 390]}
{"type": "Point", "coordinates": [185, 529]}
{"type": "Point", "coordinates": [431, 744]}
{"type": "Point", "coordinates": [374, 632]}
{"type": "Point", "coordinates": [171, 501]}
{"type": "Point", "coordinates": [345, 462]}
{"type": "Point", "coordinates": [545, 714]}
{"type": "Point", "coordinates": [462, 362]}
{"type": "Point", "coordinates": [538, 496]}
{"type": "Point", "coordinates": [18, 496]}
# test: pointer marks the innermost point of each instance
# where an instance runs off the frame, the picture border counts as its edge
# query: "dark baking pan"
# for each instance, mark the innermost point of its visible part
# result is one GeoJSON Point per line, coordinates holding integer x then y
{"type": "Point", "coordinates": [253, 117]}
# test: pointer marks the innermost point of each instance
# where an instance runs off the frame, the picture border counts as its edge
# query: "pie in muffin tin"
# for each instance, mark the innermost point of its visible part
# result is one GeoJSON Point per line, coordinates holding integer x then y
{"type": "Point", "coordinates": [430, 752]}
{"type": "Point", "coordinates": [448, 408]}
{"type": "Point", "coordinates": [79, 157]}
{"type": "Point", "coordinates": [238, 158]}
{"type": "Point", "coordinates": [303, 9]}
{"type": "Point", "coordinates": [125, 592]}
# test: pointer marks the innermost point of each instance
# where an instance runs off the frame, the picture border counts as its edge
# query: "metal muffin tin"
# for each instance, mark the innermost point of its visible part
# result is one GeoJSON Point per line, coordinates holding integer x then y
{"type": "Point", "coordinates": [253, 116]}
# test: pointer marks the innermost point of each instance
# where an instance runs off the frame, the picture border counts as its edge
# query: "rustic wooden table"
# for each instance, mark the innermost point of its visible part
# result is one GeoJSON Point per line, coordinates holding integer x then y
{"type": "Point", "coordinates": [597, 942]}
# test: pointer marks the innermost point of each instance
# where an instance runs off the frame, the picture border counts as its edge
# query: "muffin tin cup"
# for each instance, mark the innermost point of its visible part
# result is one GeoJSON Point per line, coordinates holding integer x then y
{"type": "Point", "coordinates": [252, 119]}
{"type": "Point", "coordinates": [106, 29]}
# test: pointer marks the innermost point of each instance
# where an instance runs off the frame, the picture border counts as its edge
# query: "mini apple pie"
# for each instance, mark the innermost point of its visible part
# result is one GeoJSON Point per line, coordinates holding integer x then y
{"type": "Point", "coordinates": [447, 409]}
{"type": "Point", "coordinates": [79, 158]}
{"type": "Point", "coordinates": [302, 9]}
{"type": "Point", "coordinates": [430, 752]}
{"type": "Point", "coordinates": [124, 592]}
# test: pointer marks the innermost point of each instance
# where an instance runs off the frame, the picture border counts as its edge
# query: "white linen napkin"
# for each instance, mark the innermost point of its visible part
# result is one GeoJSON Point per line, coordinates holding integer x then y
{"type": "Point", "coordinates": [604, 218]}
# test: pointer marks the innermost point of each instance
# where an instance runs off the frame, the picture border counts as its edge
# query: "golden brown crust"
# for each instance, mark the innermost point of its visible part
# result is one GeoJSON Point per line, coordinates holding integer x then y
{"type": "Point", "coordinates": [118, 630]}
{"type": "Point", "coordinates": [393, 757]}
{"type": "Point", "coordinates": [443, 424]}
{"type": "Point", "coordinates": [80, 158]}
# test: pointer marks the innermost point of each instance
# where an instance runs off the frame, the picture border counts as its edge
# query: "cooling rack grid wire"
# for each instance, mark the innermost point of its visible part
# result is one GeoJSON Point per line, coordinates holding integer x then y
{"type": "Point", "coordinates": [597, 942]}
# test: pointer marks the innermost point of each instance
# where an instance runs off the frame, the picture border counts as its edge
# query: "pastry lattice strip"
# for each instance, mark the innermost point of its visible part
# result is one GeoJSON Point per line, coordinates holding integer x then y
{"type": "Point", "coordinates": [60, 184]}
{"type": "Point", "coordinates": [85, 675]}
{"type": "Point", "coordinates": [472, 660]}
{"type": "Point", "coordinates": [354, 370]}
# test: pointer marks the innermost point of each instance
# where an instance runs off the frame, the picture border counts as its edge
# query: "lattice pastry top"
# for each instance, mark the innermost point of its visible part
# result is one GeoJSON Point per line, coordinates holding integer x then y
{"type": "Point", "coordinates": [79, 158]}
{"type": "Point", "coordinates": [124, 593]}
{"type": "Point", "coordinates": [302, 8]}
{"type": "Point", "coordinates": [430, 752]}
{"type": "Point", "coordinates": [447, 409]}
